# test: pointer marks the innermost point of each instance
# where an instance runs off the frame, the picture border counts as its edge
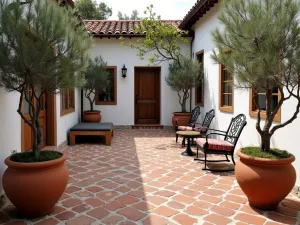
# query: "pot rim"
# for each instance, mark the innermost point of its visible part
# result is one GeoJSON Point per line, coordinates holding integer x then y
{"type": "Point", "coordinates": [35, 165]}
{"type": "Point", "coordinates": [265, 161]}
{"type": "Point", "coordinates": [90, 112]}
{"type": "Point", "coordinates": [182, 113]}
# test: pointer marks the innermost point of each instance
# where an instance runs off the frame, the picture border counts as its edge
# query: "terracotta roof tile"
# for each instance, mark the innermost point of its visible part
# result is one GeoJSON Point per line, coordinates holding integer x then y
{"type": "Point", "coordinates": [115, 28]}
{"type": "Point", "coordinates": [197, 11]}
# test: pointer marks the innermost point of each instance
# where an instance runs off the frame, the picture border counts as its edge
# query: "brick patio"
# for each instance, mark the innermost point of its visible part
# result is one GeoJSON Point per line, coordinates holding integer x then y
{"type": "Point", "coordinates": [143, 179]}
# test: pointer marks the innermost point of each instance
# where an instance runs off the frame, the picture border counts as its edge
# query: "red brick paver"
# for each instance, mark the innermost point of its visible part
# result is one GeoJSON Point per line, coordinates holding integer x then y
{"type": "Point", "coordinates": [143, 179]}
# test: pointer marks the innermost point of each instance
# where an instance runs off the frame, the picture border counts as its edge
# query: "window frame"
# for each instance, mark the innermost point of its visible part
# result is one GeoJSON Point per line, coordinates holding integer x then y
{"type": "Point", "coordinates": [69, 109]}
{"type": "Point", "coordinates": [253, 113]}
{"type": "Point", "coordinates": [201, 103]}
{"type": "Point", "coordinates": [98, 102]}
{"type": "Point", "coordinates": [222, 107]}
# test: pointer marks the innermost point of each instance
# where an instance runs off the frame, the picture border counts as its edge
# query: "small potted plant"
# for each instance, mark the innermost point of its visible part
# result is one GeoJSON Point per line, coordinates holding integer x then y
{"type": "Point", "coordinates": [41, 46]}
{"type": "Point", "coordinates": [264, 40]}
{"type": "Point", "coordinates": [184, 74]}
{"type": "Point", "coordinates": [96, 79]}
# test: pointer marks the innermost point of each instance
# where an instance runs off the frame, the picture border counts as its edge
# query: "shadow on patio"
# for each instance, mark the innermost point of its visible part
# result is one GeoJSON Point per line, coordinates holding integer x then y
{"type": "Point", "coordinates": [143, 179]}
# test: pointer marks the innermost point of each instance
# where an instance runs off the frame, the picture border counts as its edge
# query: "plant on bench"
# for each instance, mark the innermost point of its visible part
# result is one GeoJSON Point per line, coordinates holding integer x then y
{"type": "Point", "coordinates": [96, 78]}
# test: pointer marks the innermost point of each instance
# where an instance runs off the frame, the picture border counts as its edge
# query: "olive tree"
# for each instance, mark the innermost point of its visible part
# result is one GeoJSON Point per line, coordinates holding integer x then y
{"type": "Point", "coordinates": [42, 45]}
{"type": "Point", "coordinates": [263, 37]}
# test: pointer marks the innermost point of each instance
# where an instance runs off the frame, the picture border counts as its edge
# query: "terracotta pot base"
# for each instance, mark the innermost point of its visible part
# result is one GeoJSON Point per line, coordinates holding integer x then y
{"type": "Point", "coordinates": [266, 182]}
{"type": "Point", "coordinates": [35, 188]}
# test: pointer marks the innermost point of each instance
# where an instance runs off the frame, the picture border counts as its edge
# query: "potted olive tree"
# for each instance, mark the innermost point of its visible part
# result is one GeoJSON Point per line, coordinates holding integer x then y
{"type": "Point", "coordinates": [164, 40]}
{"type": "Point", "coordinates": [41, 46]}
{"type": "Point", "coordinates": [264, 39]}
{"type": "Point", "coordinates": [184, 74]}
{"type": "Point", "coordinates": [96, 79]}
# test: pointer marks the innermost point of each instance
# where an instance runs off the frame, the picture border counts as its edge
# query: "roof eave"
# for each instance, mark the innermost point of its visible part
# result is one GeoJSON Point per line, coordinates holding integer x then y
{"type": "Point", "coordinates": [190, 34]}
{"type": "Point", "coordinates": [196, 12]}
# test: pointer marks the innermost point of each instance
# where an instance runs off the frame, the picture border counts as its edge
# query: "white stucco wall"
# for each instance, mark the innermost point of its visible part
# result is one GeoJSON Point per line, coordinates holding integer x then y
{"type": "Point", "coordinates": [10, 128]}
{"type": "Point", "coordinates": [123, 113]}
{"type": "Point", "coordinates": [64, 123]}
{"type": "Point", "coordinates": [285, 138]}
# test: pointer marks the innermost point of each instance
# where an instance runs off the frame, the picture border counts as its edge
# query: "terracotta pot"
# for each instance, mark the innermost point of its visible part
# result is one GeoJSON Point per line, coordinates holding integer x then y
{"type": "Point", "coordinates": [266, 182]}
{"type": "Point", "coordinates": [92, 116]}
{"type": "Point", "coordinates": [35, 188]}
{"type": "Point", "coordinates": [184, 118]}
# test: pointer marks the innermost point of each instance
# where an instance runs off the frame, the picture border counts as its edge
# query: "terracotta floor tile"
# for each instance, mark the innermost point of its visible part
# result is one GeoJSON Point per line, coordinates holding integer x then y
{"type": "Point", "coordinates": [281, 218]}
{"type": "Point", "coordinates": [50, 221]}
{"type": "Point", "coordinates": [132, 213]}
{"type": "Point", "coordinates": [184, 219]}
{"type": "Point", "coordinates": [217, 219]}
{"type": "Point", "coordinates": [247, 218]}
{"type": "Point", "coordinates": [81, 220]}
{"type": "Point", "coordinates": [165, 211]}
{"type": "Point", "coordinates": [154, 219]}
{"type": "Point", "coordinates": [98, 213]}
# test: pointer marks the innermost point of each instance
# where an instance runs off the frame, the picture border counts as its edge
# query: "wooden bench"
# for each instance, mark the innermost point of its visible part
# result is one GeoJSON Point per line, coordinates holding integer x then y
{"type": "Point", "coordinates": [92, 129]}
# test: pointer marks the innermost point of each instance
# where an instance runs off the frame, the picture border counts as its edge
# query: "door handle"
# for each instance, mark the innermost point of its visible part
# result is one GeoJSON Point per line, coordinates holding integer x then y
{"type": "Point", "coordinates": [136, 99]}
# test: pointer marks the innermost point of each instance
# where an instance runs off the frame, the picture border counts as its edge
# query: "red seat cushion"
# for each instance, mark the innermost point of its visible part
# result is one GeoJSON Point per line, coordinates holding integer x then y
{"type": "Point", "coordinates": [201, 129]}
{"type": "Point", "coordinates": [214, 144]}
{"type": "Point", "coordinates": [185, 128]}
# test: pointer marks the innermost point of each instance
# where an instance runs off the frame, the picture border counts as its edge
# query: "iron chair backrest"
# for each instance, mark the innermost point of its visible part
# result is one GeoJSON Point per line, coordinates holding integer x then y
{"type": "Point", "coordinates": [208, 118]}
{"type": "Point", "coordinates": [194, 116]}
{"type": "Point", "coordinates": [235, 129]}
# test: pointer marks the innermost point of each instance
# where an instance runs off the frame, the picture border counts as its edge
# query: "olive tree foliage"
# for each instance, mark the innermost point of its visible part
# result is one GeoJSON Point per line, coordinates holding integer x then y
{"type": "Point", "coordinates": [183, 76]}
{"type": "Point", "coordinates": [264, 39]}
{"type": "Point", "coordinates": [162, 40]}
{"type": "Point", "coordinates": [42, 45]}
{"type": "Point", "coordinates": [96, 78]}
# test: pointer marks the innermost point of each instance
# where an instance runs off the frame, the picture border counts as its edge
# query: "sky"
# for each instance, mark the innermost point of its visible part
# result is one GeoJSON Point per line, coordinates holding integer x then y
{"type": "Point", "coordinates": [167, 9]}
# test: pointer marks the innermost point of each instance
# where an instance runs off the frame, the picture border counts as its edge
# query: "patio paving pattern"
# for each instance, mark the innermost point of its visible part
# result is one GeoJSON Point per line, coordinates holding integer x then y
{"type": "Point", "coordinates": [143, 179]}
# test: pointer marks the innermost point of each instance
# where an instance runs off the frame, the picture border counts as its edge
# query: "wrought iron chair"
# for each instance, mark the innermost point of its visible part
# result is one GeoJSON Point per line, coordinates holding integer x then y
{"type": "Point", "coordinates": [222, 147]}
{"type": "Point", "coordinates": [192, 122]}
{"type": "Point", "coordinates": [201, 127]}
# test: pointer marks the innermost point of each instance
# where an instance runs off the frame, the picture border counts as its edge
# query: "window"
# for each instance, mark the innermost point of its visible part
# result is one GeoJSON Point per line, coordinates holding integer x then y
{"type": "Point", "coordinates": [261, 99]}
{"type": "Point", "coordinates": [108, 95]}
{"type": "Point", "coordinates": [199, 90]}
{"type": "Point", "coordinates": [226, 90]}
{"type": "Point", "coordinates": [67, 101]}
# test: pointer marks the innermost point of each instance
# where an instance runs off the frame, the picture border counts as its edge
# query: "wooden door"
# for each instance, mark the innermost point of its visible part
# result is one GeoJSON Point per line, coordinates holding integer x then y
{"type": "Point", "coordinates": [27, 133]}
{"type": "Point", "coordinates": [147, 95]}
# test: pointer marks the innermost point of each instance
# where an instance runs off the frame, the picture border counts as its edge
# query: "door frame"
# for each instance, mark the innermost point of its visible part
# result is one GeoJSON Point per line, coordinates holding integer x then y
{"type": "Point", "coordinates": [158, 69]}
{"type": "Point", "coordinates": [51, 133]}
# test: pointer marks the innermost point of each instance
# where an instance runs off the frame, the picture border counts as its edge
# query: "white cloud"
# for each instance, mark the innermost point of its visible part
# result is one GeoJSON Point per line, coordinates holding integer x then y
{"type": "Point", "coordinates": [167, 9]}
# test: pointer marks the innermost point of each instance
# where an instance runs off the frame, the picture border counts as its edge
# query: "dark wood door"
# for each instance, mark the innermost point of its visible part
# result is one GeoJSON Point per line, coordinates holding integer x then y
{"type": "Point", "coordinates": [27, 129]}
{"type": "Point", "coordinates": [147, 95]}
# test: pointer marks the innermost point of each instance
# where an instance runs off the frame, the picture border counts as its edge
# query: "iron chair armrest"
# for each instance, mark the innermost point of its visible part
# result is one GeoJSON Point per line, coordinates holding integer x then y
{"type": "Point", "coordinates": [220, 135]}
{"type": "Point", "coordinates": [216, 130]}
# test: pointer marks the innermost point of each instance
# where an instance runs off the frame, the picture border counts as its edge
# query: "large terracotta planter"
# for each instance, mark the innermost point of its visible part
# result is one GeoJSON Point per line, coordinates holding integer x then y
{"type": "Point", "coordinates": [266, 182]}
{"type": "Point", "coordinates": [35, 188]}
{"type": "Point", "coordinates": [184, 118]}
{"type": "Point", "coordinates": [92, 116]}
